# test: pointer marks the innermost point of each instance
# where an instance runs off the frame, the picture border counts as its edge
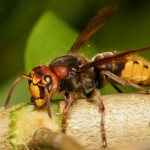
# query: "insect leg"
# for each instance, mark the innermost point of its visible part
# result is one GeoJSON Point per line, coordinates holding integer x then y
{"type": "Point", "coordinates": [123, 82]}
{"type": "Point", "coordinates": [71, 98]}
{"type": "Point", "coordinates": [89, 95]}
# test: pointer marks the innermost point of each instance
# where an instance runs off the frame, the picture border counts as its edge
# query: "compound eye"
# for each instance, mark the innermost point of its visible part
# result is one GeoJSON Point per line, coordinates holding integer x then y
{"type": "Point", "coordinates": [48, 79]}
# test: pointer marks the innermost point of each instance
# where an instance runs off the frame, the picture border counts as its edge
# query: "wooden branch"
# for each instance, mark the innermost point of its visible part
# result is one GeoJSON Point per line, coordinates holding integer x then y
{"type": "Point", "coordinates": [127, 121]}
{"type": "Point", "coordinates": [47, 139]}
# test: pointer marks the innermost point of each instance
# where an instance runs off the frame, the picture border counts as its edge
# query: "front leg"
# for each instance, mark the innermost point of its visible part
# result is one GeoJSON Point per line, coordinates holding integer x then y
{"type": "Point", "coordinates": [70, 98]}
{"type": "Point", "coordinates": [90, 96]}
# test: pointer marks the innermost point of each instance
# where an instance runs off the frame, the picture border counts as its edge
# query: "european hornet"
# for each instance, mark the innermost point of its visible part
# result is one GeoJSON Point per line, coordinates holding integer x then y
{"type": "Point", "coordinates": [72, 73]}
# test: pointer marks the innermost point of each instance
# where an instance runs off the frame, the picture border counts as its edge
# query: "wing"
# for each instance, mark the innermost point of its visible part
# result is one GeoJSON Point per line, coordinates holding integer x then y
{"type": "Point", "coordinates": [98, 21]}
{"type": "Point", "coordinates": [116, 58]}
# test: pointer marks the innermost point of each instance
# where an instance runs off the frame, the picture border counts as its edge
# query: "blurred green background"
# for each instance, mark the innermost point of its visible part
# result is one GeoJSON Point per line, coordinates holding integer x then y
{"type": "Point", "coordinates": [27, 27]}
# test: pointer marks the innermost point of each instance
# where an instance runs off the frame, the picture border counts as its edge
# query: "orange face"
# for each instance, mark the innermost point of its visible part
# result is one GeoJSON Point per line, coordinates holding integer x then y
{"type": "Point", "coordinates": [43, 79]}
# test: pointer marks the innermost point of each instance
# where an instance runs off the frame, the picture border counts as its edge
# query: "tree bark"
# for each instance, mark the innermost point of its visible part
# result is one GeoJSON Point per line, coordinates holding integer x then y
{"type": "Point", "coordinates": [127, 121]}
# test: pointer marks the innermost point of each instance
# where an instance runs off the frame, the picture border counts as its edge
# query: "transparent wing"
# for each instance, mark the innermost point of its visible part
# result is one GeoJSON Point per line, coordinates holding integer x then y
{"type": "Point", "coordinates": [98, 21]}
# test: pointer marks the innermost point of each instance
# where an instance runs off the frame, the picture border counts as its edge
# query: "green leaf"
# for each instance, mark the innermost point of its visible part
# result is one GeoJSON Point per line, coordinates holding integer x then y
{"type": "Point", "coordinates": [50, 38]}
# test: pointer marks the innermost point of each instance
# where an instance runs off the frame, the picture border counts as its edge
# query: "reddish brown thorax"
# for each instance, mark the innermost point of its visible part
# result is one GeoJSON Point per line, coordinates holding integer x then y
{"type": "Point", "coordinates": [61, 71]}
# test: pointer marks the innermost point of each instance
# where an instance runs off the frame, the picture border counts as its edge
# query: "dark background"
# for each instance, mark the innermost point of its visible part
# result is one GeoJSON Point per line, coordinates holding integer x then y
{"type": "Point", "coordinates": [129, 29]}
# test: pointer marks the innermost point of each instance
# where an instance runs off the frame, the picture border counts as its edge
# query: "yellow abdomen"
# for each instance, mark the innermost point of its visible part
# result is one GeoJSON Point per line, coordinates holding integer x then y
{"type": "Point", "coordinates": [137, 72]}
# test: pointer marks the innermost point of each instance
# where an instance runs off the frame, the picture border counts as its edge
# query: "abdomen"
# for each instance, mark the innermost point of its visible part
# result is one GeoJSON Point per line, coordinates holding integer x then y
{"type": "Point", "coordinates": [137, 72]}
{"type": "Point", "coordinates": [134, 71]}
